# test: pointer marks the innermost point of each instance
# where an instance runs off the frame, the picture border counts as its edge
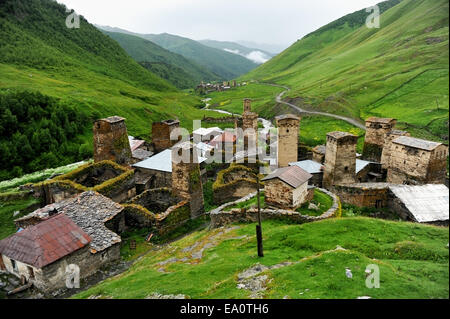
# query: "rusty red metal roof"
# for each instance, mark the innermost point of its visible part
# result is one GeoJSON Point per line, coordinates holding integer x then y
{"type": "Point", "coordinates": [293, 176]}
{"type": "Point", "coordinates": [46, 242]}
{"type": "Point", "coordinates": [226, 137]}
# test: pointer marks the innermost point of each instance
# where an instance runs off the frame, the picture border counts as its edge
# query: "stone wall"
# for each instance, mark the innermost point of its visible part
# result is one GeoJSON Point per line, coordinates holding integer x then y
{"type": "Point", "coordinates": [388, 146]}
{"type": "Point", "coordinates": [278, 194]}
{"type": "Point", "coordinates": [161, 132]}
{"type": "Point", "coordinates": [220, 217]}
{"type": "Point", "coordinates": [364, 194]}
{"type": "Point", "coordinates": [233, 183]}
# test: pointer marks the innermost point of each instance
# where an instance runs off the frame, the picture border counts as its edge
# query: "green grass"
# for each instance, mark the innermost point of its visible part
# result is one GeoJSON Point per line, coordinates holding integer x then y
{"type": "Point", "coordinates": [400, 70]}
{"type": "Point", "coordinates": [7, 210]}
{"type": "Point", "coordinates": [413, 261]}
{"type": "Point", "coordinates": [251, 203]}
{"type": "Point", "coordinates": [322, 200]}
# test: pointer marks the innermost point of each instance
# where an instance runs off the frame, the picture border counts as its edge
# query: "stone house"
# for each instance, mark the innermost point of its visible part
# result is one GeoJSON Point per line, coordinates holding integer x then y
{"type": "Point", "coordinates": [287, 187]}
{"type": "Point", "coordinates": [415, 161]}
{"type": "Point", "coordinates": [80, 230]}
{"type": "Point", "coordinates": [319, 153]}
{"type": "Point", "coordinates": [387, 149]}
{"type": "Point", "coordinates": [314, 168]}
{"type": "Point", "coordinates": [139, 150]}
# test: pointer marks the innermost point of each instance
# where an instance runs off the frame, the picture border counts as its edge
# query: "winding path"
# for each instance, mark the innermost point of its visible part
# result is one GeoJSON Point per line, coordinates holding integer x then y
{"type": "Point", "coordinates": [279, 99]}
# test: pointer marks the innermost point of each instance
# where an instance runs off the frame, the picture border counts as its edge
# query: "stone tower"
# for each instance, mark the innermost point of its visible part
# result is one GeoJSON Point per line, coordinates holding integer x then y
{"type": "Point", "coordinates": [388, 147]}
{"type": "Point", "coordinates": [340, 159]}
{"type": "Point", "coordinates": [186, 178]}
{"type": "Point", "coordinates": [161, 134]}
{"type": "Point", "coordinates": [288, 131]}
{"type": "Point", "coordinates": [376, 131]}
{"type": "Point", "coordinates": [111, 141]}
{"type": "Point", "coordinates": [249, 122]}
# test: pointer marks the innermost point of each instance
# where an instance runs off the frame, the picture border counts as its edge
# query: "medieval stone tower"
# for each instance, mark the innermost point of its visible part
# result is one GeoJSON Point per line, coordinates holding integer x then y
{"type": "Point", "coordinates": [249, 122]}
{"type": "Point", "coordinates": [186, 178]}
{"type": "Point", "coordinates": [111, 141]}
{"type": "Point", "coordinates": [161, 134]}
{"type": "Point", "coordinates": [340, 159]}
{"type": "Point", "coordinates": [376, 131]}
{"type": "Point", "coordinates": [288, 131]}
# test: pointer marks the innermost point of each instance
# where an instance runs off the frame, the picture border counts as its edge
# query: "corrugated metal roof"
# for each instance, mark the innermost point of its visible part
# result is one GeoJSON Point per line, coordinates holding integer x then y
{"type": "Point", "coordinates": [208, 131]}
{"type": "Point", "coordinates": [416, 143]}
{"type": "Point", "coordinates": [427, 203]}
{"type": "Point", "coordinates": [46, 242]}
{"type": "Point", "coordinates": [134, 143]}
{"type": "Point", "coordinates": [293, 176]}
{"type": "Point", "coordinates": [311, 167]}
{"type": "Point", "coordinates": [161, 162]}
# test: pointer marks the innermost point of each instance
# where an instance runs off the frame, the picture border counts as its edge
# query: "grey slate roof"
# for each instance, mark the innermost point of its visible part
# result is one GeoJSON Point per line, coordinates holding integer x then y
{"type": "Point", "coordinates": [360, 165]}
{"type": "Point", "coordinates": [113, 119]}
{"type": "Point", "coordinates": [416, 143]}
{"type": "Point", "coordinates": [90, 211]}
{"type": "Point", "coordinates": [427, 203]}
{"type": "Point", "coordinates": [293, 176]}
{"type": "Point", "coordinates": [311, 167]}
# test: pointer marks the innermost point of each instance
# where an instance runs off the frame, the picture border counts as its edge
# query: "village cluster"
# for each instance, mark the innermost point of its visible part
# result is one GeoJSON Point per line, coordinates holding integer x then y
{"type": "Point", "coordinates": [205, 88]}
{"type": "Point", "coordinates": [135, 184]}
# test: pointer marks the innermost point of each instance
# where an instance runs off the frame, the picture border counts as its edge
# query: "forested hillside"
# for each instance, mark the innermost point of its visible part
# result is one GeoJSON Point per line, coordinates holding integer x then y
{"type": "Point", "coordinates": [400, 70]}
{"type": "Point", "coordinates": [175, 68]}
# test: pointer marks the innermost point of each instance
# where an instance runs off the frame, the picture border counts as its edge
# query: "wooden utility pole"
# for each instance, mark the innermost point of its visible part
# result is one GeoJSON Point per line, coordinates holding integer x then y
{"type": "Point", "coordinates": [259, 226]}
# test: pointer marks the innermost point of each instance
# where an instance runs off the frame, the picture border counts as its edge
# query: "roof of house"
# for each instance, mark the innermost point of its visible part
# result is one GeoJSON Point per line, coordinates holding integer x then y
{"type": "Point", "coordinates": [416, 143]}
{"type": "Point", "coordinates": [113, 119]}
{"type": "Point", "coordinates": [208, 131]}
{"type": "Point", "coordinates": [338, 135]}
{"type": "Point", "coordinates": [46, 242]}
{"type": "Point", "coordinates": [309, 166]}
{"type": "Point", "coordinates": [286, 117]}
{"type": "Point", "coordinates": [320, 149]}
{"type": "Point", "coordinates": [427, 203]}
{"type": "Point", "coordinates": [360, 165]}
{"type": "Point", "coordinates": [380, 120]}
{"type": "Point", "coordinates": [161, 162]}
{"type": "Point", "coordinates": [292, 175]}
{"type": "Point", "coordinates": [141, 154]}
{"type": "Point", "coordinates": [134, 143]}
{"type": "Point", "coordinates": [226, 137]}
{"type": "Point", "coordinates": [90, 211]}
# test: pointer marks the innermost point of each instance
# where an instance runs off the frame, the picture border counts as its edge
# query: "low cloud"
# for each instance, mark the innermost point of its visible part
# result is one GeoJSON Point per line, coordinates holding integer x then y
{"type": "Point", "coordinates": [255, 56]}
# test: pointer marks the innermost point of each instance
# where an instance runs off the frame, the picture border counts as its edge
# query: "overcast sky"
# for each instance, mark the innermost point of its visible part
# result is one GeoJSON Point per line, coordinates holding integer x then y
{"type": "Point", "coordinates": [262, 21]}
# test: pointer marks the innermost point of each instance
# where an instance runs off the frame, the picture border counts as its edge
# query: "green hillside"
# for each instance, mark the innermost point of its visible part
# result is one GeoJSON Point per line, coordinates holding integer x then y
{"type": "Point", "coordinates": [412, 258]}
{"type": "Point", "coordinates": [400, 70]}
{"type": "Point", "coordinates": [86, 71]}
{"type": "Point", "coordinates": [227, 65]}
{"type": "Point", "coordinates": [173, 67]}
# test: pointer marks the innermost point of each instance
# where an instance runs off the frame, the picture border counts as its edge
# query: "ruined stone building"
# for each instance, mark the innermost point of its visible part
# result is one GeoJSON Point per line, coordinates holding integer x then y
{"type": "Point", "coordinates": [288, 132]}
{"type": "Point", "coordinates": [249, 125]}
{"type": "Point", "coordinates": [156, 171]}
{"type": "Point", "coordinates": [340, 159]}
{"type": "Point", "coordinates": [111, 141]}
{"type": "Point", "coordinates": [161, 134]}
{"type": "Point", "coordinates": [287, 187]}
{"type": "Point", "coordinates": [80, 231]}
{"type": "Point", "coordinates": [415, 161]}
{"type": "Point", "coordinates": [376, 131]}
{"type": "Point", "coordinates": [319, 153]}
{"type": "Point", "coordinates": [186, 176]}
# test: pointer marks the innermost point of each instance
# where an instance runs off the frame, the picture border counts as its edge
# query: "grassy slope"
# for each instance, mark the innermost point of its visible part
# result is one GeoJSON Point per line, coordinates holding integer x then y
{"type": "Point", "coordinates": [395, 71]}
{"type": "Point", "coordinates": [173, 67]}
{"type": "Point", "coordinates": [413, 261]}
{"type": "Point", "coordinates": [313, 129]}
{"type": "Point", "coordinates": [84, 67]}
{"type": "Point", "coordinates": [227, 65]}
